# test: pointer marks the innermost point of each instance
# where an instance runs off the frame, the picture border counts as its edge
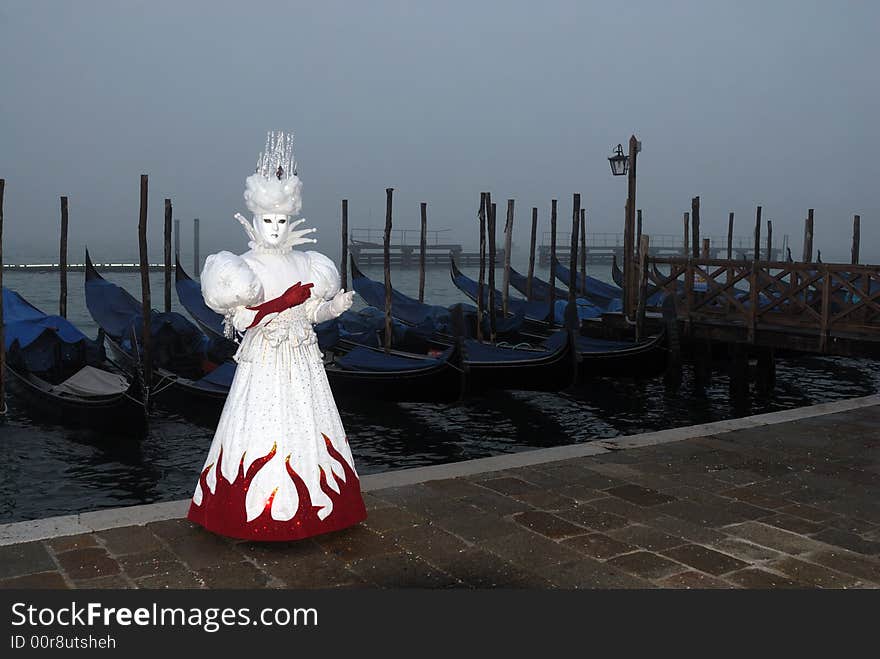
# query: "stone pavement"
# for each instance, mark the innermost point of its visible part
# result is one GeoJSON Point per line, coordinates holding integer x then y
{"type": "Point", "coordinates": [790, 505]}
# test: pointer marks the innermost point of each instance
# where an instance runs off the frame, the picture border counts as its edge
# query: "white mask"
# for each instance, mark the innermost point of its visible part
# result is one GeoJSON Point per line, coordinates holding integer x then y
{"type": "Point", "coordinates": [272, 228]}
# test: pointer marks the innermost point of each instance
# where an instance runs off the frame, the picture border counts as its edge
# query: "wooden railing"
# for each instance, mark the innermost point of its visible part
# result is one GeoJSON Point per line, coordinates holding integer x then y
{"type": "Point", "coordinates": [820, 300]}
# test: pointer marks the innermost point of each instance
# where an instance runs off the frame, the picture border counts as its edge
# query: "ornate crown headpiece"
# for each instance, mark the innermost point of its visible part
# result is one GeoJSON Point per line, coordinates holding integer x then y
{"type": "Point", "coordinates": [275, 187]}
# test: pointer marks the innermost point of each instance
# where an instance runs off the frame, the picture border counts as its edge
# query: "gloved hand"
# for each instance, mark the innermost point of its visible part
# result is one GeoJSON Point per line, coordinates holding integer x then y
{"type": "Point", "coordinates": [341, 302]}
{"type": "Point", "coordinates": [296, 294]}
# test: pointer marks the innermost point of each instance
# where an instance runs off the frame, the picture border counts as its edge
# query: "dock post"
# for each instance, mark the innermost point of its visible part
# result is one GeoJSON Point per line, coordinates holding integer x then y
{"type": "Point", "coordinates": [492, 300]}
{"type": "Point", "coordinates": [757, 248]}
{"type": "Point", "coordinates": [707, 246]}
{"type": "Point", "coordinates": [766, 373]}
{"type": "Point", "coordinates": [2, 326]}
{"type": "Point", "coordinates": [738, 373]}
{"type": "Point", "coordinates": [146, 305]}
{"type": "Point", "coordinates": [644, 248]}
{"type": "Point", "coordinates": [629, 246]}
{"type": "Point", "coordinates": [571, 318]}
{"type": "Point", "coordinates": [168, 211]}
{"type": "Point", "coordinates": [423, 247]}
{"type": "Point", "coordinates": [551, 296]}
{"type": "Point", "coordinates": [769, 240]}
{"type": "Point", "coordinates": [695, 221]}
{"type": "Point", "coordinates": [855, 239]}
{"type": "Point", "coordinates": [176, 240]}
{"type": "Point", "coordinates": [583, 252]}
{"type": "Point", "coordinates": [687, 229]}
{"type": "Point", "coordinates": [808, 237]}
{"type": "Point", "coordinates": [673, 376]}
{"type": "Point", "coordinates": [386, 258]}
{"type": "Point", "coordinates": [730, 236]}
{"type": "Point", "coordinates": [482, 278]}
{"type": "Point", "coordinates": [508, 242]}
{"type": "Point", "coordinates": [638, 228]}
{"type": "Point", "coordinates": [344, 258]}
{"type": "Point", "coordinates": [62, 261]}
{"type": "Point", "coordinates": [532, 254]}
{"type": "Point", "coordinates": [196, 259]}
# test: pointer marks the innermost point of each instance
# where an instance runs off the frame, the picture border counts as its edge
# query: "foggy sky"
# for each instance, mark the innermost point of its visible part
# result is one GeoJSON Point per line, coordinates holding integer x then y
{"type": "Point", "coordinates": [742, 103]}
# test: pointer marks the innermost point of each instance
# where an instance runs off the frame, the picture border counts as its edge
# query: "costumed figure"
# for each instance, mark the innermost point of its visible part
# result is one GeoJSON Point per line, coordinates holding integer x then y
{"type": "Point", "coordinates": [279, 467]}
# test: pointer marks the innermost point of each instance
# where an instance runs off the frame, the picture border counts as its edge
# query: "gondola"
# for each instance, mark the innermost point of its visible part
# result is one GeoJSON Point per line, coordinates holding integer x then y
{"type": "Point", "coordinates": [540, 289]}
{"type": "Point", "coordinates": [63, 376]}
{"type": "Point", "coordinates": [608, 358]}
{"type": "Point", "coordinates": [429, 320]}
{"type": "Point", "coordinates": [602, 294]}
{"type": "Point", "coordinates": [188, 366]}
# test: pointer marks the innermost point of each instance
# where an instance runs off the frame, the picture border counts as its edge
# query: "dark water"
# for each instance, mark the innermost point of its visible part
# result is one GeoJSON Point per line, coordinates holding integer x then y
{"type": "Point", "coordinates": [51, 470]}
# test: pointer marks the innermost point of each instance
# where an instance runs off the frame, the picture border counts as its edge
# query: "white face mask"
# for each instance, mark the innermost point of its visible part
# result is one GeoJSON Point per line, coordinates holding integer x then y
{"type": "Point", "coordinates": [273, 228]}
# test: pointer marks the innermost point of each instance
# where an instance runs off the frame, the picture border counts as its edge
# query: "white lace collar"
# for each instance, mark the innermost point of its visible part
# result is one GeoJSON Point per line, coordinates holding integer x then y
{"type": "Point", "coordinates": [260, 248]}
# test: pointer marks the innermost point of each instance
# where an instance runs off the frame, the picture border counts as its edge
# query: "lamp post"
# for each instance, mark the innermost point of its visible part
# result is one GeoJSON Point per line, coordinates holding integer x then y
{"type": "Point", "coordinates": [626, 164]}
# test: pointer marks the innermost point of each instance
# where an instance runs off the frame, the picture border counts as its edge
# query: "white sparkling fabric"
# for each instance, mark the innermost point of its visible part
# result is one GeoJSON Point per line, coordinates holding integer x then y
{"type": "Point", "coordinates": [280, 396]}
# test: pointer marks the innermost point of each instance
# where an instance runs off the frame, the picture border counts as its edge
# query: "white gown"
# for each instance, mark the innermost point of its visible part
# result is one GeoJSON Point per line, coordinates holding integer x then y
{"type": "Point", "coordinates": [279, 467]}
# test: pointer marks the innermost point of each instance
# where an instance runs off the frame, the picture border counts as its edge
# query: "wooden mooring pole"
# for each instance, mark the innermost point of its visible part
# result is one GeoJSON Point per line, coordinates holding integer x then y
{"type": "Point", "coordinates": [695, 222]}
{"type": "Point", "coordinates": [551, 294]}
{"type": "Point", "coordinates": [571, 309]}
{"type": "Point", "coordinates": [177, 240]}
{"type": "Point", "coordinates": [687, 230]}
{"type": "Point", "coordinates": [856, 238]}
{"type": "Point", "coordinates": [2, 326]}
{"type": "Point", "coordinates": [423, 247]}
{"type": "Point", "coordinates": [629, 246]}
{"type": "Point", "coordinates": [808, 237]}
{"type": "Point", "coordinates": [62, 261]}
{"type": "Point", "coordinates": [730, 236]}
{"type": "Point", "coordinates": [706, 249]}
{"type": "Point", "coordinates": [344, 257]}
{"type": "Point", "coordinates": [386, 258]}
{"type": "Point", "coordinates": [638, 228]}
{"type": "Point", "coordinates": [769, 240]}
{"type": "Point", "coordinates": [583, 251]}
{"type": "Point", "coordinates": [508, 242]}
{"type": "Point", "coordinates": [482, 278]}
{"type": "Point", "coordinates": [757, 249]}
{"type": "Point", "coordinates": [532, 240]}
{"type": "Point", "coordinates": [168, 212]}
{"type": "Point", "coordinates": [492, 300]}
{"type": "Point", "coordinates": [146, 303]}
{"type": "Point", "coordinates": [644, 249]}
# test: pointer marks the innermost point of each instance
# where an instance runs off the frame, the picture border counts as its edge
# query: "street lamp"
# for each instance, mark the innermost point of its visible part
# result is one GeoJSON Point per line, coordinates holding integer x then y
{"type": "Point", "coordinates": [619, 162]}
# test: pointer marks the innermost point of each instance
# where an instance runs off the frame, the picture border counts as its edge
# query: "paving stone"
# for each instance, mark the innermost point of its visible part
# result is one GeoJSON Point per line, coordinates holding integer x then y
{"type": "Point", "coordinates": [581, 493]}
{"type": "Point", "coordinates": [639, 495]}
{"type": "Point", "coordinates": [529, 550]}
{"type": "Point", "coordinates": [754, 496]}
{"type": "Point", "coordinates": [752, 577]}
{"type": "Point", "coordinates": [587, 573]}
{"type": "Point", "coordinates": [25, 558]}
{"type": "Point", "coordinates": [265, 553]}
{"type": "Point", "coordinates": [373, 502]}
{"type": "Point", "coordinates": [629, 511]}
{"type": "Point", "coordinates": [129, 540]}
{"type": "Point", "coordinates": [233, 575]}
{"type": "Point", "coordinates": [739, 477]}
{"type": "Point", "coordinates": [509, 485]}
{"type": "Point", "coordinates": [812, 574]}
{"type": "Point", "coordinates": [170, 529]}
{"type": "Point", "coordinates": [599, 545]}
{"type": "Point", "coordinates": [37, 580]}
{"type": "Point", "coordinates": [313, 571]}
{"type": "Point", "coordinates": [700, 514]}
{"type": "Point", "coordinates": [586, 476]}
{"type": "Point", "coordinates": [199, 548]}
{"type": "Point", "coordinates": [356, 542]}
{"type": "Point", "coordinates": [475, 526]}
{"type": "Point", "coordinates": [401, 571]}
{"type": "Point", "coordinates": [478, 568]}
{"type": "Point", "coordinates": [646, 565]}
{"type": "Point", "coordinates": [861, 527]}
{"type": "Point", "coordinates": [390, 518]}
{"type": "Point", "coordinates": [149, 563]}
{"type": "Point", "coordinates": [109, 582]}
{"type": "Point", "coordinates": [455, 488]}
{"type": "Point", "coordinates": [592, 518]}
{"type": "Point", "coordinates": [178, 578]}
{"type": "Point", "coordinates": [68, 542]}
{"type": "Point", "coordinates": [704, 559]}
{"type": "Point", "coordinates": [847, 540]}
{"type": "Point", "coordinates": [646, 537]}
{"type": "Point", "coordinates": [847, 562]}
{"type": "Point", "coordinates": [791, 523]}
{"type": "Point", "coordinates": [692, 580]}
{"type": "Point", "coordinates": [429, 542]}
{"type": "Point", "coordinates": [745, 551]}
{"type": "Point", "coordinates": [548, 525]}
{"type": "Point", "coordinates": [542, 477]}
{"type": "Point", "coordinates": [774, 538]}
{"type": "Point", "coordinates": [544, 500]}
{"type": "Point", "coordinates": [87, 563]}
{"type": "Point", "coordinates": [810, 513]}
{"type": "Point", "coordinates": [684, 529]}
{"type": "Point", "coordinates": [497, 504]}
{"type": "Point", "coordinates": [424, 501]}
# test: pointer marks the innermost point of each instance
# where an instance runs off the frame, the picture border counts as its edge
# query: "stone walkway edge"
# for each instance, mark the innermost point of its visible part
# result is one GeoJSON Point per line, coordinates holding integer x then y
{"type": "Point", "coordinates": [100, 520]}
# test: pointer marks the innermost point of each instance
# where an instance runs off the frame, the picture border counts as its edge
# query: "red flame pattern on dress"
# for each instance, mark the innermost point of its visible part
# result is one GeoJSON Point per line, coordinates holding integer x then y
{"type": "Point", "coordinates": [223, 511]}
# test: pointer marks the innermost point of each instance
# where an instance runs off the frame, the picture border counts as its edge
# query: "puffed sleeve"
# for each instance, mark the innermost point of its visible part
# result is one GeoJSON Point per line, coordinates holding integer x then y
{"type": "Point", "coordinates": [325, 277]}
{"type": "Point", "coordinates": [228, 286]}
